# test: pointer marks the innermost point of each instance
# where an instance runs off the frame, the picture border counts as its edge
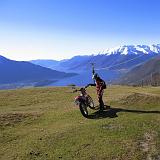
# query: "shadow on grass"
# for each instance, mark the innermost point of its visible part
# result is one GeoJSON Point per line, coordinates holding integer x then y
{"type": "Point", "coordinates": [112, 113]}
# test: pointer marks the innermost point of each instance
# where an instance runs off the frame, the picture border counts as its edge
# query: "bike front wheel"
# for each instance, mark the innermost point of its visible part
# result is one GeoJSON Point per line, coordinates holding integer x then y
{"type": "Point", "coordinates": [83, 109]}
{"type": "Point", "coordinates": [90, 103]}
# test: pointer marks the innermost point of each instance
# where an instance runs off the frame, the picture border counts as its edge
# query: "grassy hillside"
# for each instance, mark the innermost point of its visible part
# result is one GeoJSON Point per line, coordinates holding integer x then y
{"type": "Point", "coordinates": [147, 72]}
{"type": "Point", "coordinates": [44, 124]}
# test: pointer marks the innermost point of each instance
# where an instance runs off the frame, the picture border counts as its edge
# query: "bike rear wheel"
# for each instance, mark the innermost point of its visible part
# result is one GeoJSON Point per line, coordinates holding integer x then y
{"type": "Point", "coordinates": [90, 103]}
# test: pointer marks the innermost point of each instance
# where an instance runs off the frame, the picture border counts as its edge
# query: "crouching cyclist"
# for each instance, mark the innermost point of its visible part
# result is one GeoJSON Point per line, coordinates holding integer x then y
{"type": "Point", "coordinates": [100, 86]}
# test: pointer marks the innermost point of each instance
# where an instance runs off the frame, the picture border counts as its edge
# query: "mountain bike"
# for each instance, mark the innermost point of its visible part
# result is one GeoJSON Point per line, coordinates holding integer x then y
{"type": "Point", "coordinates": [84, 101]}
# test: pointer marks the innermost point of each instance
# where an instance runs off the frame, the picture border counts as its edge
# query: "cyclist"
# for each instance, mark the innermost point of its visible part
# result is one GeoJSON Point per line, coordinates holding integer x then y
{"type": "Point", "coordinates": [100, 86]}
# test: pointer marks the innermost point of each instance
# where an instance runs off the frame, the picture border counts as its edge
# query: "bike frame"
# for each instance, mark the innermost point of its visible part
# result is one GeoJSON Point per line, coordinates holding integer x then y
{"type": "Point", "coordinates": [82, 97]}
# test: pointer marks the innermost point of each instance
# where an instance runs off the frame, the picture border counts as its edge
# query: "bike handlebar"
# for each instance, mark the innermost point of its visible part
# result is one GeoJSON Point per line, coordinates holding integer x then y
{"type": "Point", "coordinates": [87, 86]}
{"type": "Point", "coordinates": [76, 90]}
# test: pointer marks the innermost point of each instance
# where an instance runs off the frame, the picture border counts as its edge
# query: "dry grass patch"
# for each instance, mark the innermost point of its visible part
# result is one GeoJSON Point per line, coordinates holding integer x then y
{"type": "Point", "coordinates": [10, 119]}
{"type": "Point", "coordinates": [148, 146]}
{"type": "Point", "coordinates": [140, 99]}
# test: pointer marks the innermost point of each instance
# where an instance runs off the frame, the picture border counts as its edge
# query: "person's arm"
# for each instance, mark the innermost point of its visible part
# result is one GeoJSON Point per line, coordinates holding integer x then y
{"type": "Point", "coordinates": [90, 85]}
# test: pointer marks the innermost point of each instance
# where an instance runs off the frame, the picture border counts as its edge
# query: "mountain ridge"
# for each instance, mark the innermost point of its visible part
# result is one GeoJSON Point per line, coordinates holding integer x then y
{"type": "Point", "coordinates": [133, 49]}
{"type": "Point", "coordinates": [110, 57]}
{"type": "Point", "coordinates": [110, 66]}
{"type": "Point", "coordinates": [147, 73]}
{"type": "Point", "coordinates": [21, 71]}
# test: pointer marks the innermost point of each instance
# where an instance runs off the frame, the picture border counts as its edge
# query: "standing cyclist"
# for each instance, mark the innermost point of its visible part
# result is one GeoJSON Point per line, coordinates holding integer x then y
{"type": "Point", "coordinates": [100, 86]}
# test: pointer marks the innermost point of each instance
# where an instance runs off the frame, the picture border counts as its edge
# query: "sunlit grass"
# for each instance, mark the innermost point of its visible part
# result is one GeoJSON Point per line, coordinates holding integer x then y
{"type": "Point", "coordinates": [44, 123]}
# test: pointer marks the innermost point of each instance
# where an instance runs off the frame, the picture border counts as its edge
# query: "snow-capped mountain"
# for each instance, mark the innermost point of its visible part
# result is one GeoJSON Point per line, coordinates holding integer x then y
{"type": "Point", "coordinates": [110, 64]}
{"type": "Point", "coordinates": [110, 57]}
{"type": "Point", "coordinates": [133, 49]}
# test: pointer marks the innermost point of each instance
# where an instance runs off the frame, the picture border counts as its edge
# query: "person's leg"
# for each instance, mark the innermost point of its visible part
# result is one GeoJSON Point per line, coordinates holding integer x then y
{"type": "Point", "coordinates": [101, 104]}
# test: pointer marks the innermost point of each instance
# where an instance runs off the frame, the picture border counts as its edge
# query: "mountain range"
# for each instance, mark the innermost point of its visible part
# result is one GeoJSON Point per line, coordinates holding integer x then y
{"type": "Point", "coordinates": [115, 59]}
{"type": "Point", "coordinates": [120, 64]}
{"type": "Point", "coordinates": [144, 74]}
{"type": "Point", "coordinates": [21, 72]}
{"type": "Point", "coordinates": [111, 64]}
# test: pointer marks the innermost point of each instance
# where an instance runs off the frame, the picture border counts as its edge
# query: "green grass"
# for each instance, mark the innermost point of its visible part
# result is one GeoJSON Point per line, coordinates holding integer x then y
{"type": "Point", "coordinates": [44, 124]}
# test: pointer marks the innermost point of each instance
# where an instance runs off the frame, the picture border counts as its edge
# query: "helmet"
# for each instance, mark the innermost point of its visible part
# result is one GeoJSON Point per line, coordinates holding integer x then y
{"type": "Point", "coordinates": [95, 76]}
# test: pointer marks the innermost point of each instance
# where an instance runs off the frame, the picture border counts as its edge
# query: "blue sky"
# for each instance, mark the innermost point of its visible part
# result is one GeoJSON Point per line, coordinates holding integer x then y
{"type": "Point", "coordinates": [59, 29]}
